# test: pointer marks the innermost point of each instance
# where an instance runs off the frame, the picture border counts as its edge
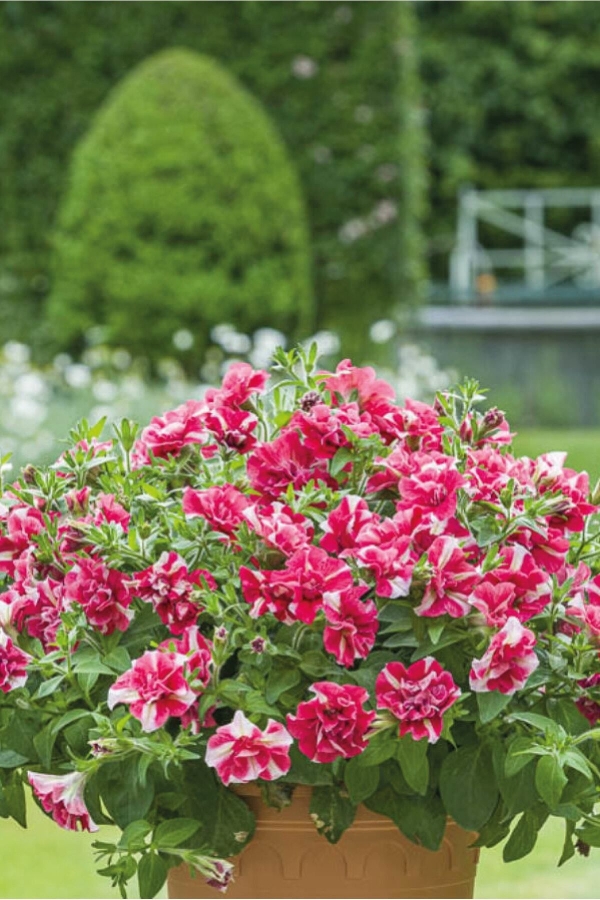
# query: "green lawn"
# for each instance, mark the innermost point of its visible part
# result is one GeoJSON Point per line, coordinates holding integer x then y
{"type": "Point", "coordinates": [46, 862]}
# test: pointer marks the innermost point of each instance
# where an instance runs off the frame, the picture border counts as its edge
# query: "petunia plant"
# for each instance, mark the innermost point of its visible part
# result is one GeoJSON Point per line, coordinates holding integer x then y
{"type": "Point", "coordinates": [297, 581]}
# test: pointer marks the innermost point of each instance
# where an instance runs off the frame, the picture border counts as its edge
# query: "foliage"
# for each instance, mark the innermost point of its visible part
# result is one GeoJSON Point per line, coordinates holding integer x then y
{"type": "Point", "coordinates": [161, 604]}
{"type": "Point", "coordinates": [181, 199]}
{"type": "Point", "coordinates": [510, 98]}
{"type": "Point", "coordinates": [335, 78]}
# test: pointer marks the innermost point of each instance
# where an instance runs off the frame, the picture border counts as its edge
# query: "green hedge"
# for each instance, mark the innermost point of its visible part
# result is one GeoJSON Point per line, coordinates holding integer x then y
{"type": "Point", "coordinates": [338, 80]}
{"type": "Point", "coordinates": [182, 211]}
{"type": "Point", "coordinates": [511, 96]}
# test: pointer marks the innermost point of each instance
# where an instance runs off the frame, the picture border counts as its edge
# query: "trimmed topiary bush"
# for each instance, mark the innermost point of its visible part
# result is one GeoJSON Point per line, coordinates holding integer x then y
{"type": "Point", "coordinates": [182, 211]}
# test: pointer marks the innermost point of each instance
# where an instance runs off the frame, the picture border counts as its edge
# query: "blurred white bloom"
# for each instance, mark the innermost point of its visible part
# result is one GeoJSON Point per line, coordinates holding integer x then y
{"type": "Point", "coordinates": [385, 212]}
{"type": "Point", "coordinates": [97, 334]}
{"type": "Point", "coordinates": [102, 411]}
{"type": "Point", "coordinates": [235, 342]}
{"type": "Point", "coordinates": [343, 14]}
{"type": "Point", "coordinates": [183, 339]}
{"type": "Point", "coordinates": [321, 154]}
{"type": "Point", "coordinates": [265, 342]}
{"type": "Point", "coordinates": [352, 231]}
{"type": "Point", "coordinates": [77, 376]}
{"type": "Point", "coordinates": [27, 413]}
{"type": "Point", "coordinates": [61, 361]}
{"type": "Point", "coordinates": [382, 331]}
{"type": "Point", "coordinates": [97, 356]}
{"type": "Point", "coordinates": [386, 172]}
{"type": "Point", "coordinates": [16, 353]}
{"type": "Point", "coordinates": [105, 391]}
{"type": "Point", "coordinates": [121, 359]}
{"type": "Point", "coordinates": [31, 384]}
{"type": "Point", "coordinates": [363, 114]}
{"type": "Point", "coordinates": [304, 67]}
{"type": "Point", "coordinates": [366, 152]}
{"type": "Point", "coordinates": [328, 342]}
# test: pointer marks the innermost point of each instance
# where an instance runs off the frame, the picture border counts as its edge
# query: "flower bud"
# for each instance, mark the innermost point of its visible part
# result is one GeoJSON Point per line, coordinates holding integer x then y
{"type": "Point", "coordinates": [310, 399]}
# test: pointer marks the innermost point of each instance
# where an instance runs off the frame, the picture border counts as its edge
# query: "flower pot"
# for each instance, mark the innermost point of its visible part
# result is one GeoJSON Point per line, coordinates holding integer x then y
{"type": "Point", "coordinates": [288, 858]}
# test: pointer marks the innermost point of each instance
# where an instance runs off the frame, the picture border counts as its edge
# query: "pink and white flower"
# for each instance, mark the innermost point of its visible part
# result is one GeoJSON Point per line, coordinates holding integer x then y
{"type": "Point", "coordinates": [332, 725]}
{"type": "Point", "coordinates": [240, 752]}
{"type": "Point", "coordinates": [62, 797]}
{"type": "Point", "coordinates": [13, 664]}
{"type": "Point", "coordinates": [418, 696]}
{"type": "Point", "coordinates": [173, 590]}
{"type": "Point", "coordinates": [168, 434]}
{"type": "Point", "coordinates": [155, 688]}
{"type": "Point", "coordinates": [102, 593]}
{"type": "Point", "coordinates": [342, 528]}
{"type": "Point", "coordinates": [222, 506]}
{"type": "Point", "coordinates": [508, 661]}
{"type": "Point", "coordinates": [452, 580]}
{"type": "Point", "coordinates": [272, 467]}
{"type": "Point", "coordinates": [351, 625]}
{"type": "Point", "coordinates": [280, 527]}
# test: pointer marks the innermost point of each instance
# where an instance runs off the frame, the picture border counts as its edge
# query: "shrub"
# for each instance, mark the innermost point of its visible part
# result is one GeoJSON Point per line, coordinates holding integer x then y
{"type": "Point", "coordinates": [182, 210]}
{"type": "Point", "coordinates": [336, 78]}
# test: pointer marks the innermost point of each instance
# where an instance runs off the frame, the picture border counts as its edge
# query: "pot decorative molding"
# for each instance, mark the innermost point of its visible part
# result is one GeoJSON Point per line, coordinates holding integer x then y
{"type": "Point", "coordinates": [289, 858]}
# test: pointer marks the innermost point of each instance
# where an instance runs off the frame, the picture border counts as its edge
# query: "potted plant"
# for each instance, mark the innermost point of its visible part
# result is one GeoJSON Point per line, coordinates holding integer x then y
{"type": "Point", "coordinates": [298, 602]}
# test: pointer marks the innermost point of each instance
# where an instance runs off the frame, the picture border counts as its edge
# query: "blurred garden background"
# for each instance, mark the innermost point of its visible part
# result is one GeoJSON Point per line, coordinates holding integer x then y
{"type": "Point", "coordinates": [415, 185]}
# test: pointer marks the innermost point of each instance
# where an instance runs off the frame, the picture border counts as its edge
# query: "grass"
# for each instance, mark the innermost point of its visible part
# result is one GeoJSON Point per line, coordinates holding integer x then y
{"type": "Point", "coordinates": [45, 862]}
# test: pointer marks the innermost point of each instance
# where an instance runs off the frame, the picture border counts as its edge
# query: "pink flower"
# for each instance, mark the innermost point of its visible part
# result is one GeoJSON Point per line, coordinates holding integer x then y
{"type": "Point", "coordinates": [417, 424]}
{"type": "Point", "coordinates": [173, 590]}
{"type": "Point", "coordinates": [508, 661]}
{"type": "Point", "coordinates": [35, 608]}
{"type": "Point", "coordinates": [332, 725]}
{"type": "Point", "coordinates": [323, 427]}
{"type": "Point", "coordinates": [280, 527]}
{"type": "Point", "coordinates": [360, 384]}
{"type": "Point", "coordinates": [222, 506]}
{"type": "Point", "coordinates": [232, 427]}
{"type": "Point", "coordinates": [101, 592]}
{"type": "Point", "coordinates": [433, 487]}
{"type": "Point", "coordinates": [241, 752]}
{"type": "Point", "coordinates": [109, 510]}
{"type": "Point", "coordinates": [198, 652]}
{"type": "Point", "coordinates": [22, 524]}
{"type": "Point", "coordinates": [418, 696]}
{"type": "Point", "coordinates": [351, 625]}
{"type": "Point", "coordinates": [494, 601]}
{"type": "Point", "coordinates": [550, 475]}
{"type": "Point", "coordinates": [155, 688]}
{"type": "Point", "coordinates": [385, 550]}
{"type": "Point", "coordinates": [168, 434]}
{"type": "Point", "coordinates": [451, 583]}
{"type": "Point", "coordinates": [285, 461]}
{"type": "Point", "coordinates": [13, 665]}
{"type": "Point", "coordinates": [239, 383]}
{"type": "Point", "coordinates": [586, 705]}
{"type": "Point", "coordinates": [296, 592]}
{"type": "Point", "coordinates": [533, 586]}
{"type": "Point", "coordinates": [344, 524]}
{"type": "Point", "coordinates": [62, 797]}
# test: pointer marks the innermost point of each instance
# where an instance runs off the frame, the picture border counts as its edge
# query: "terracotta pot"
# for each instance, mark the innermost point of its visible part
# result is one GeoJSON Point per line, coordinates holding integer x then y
{"type": "Point", "coordinates": [288, 858]}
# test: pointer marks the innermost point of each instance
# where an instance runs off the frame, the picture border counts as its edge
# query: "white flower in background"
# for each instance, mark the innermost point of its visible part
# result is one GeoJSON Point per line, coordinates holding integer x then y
{"type": "Point", "coordinates": [264, 343]}
{"type": "Point", "coordinates": [385, 212]}
{"type": "Point", "coordinates": [77, 375]}
{"type": "Point", "coordinates": [183, 339]}
{"type": "Point", "coordinates": [386, 172]}
{"type": "Point", "coordinates": [26, 413]}
{"type": "Point", "coordinates": [62, 361]}
{"type": "Point", "coordinates": [363, 114]}
{"type": "Point", "coordinates": [16, 353]}
{"type": "Point", "coordinates": [352, 231]}
{"type": "Point", "coordinates": [321, 154]}
{"type": "Point", "coordinates": [304, 67]}
{"type": "Point", "coordinates": [104, 390]}
{"type": "Point", "coordinates": [343, 14]}
{"type": "Point", "coordinates": [382, 331]}
{"type": "Point", "coordinates": [121, 359]}
{"type": "Point", "coordinates": [31, 384]}
{"type": "Point", "coordinates": [328, 342]}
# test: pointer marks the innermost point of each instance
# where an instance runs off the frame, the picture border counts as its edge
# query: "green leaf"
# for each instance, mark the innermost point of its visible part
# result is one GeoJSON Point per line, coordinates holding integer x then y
{"type": "Point", "coordinates": [14, 799]}
{"type": "Point", "coordinates": [543, 723]}
{"type": "Point", "coordinates": [11, 760]}
{"type": "Point", "coordinates": [518, 756]}
{"type": "Point", "coordinates": [412, 756]}
{"type": "Point", "coordinates": [490, 704]}
{"type": "Point", "coordinates": [175, 832]}
{"type": "Point", "coordinates": [468, 786]}
{"type": "Point", "coordinates": [360, 781]}
{"type": "Point", "coordinates": [133, 837]}
{"type": "Point", "coordinates": [48, 687]}
{"type": "Point", "coordinates": [379, 748]}
{"type": "Point", "coordinates": [279, 681]}
{"type": "Point", "coordinates": [332, 812]}
{"type": "Point", "coordinates": [152, 874]}
{"type": "Point", "coordinates": [343, 456]}
{"type": "Point", "coordinates": [550, 780]}
{"type": "Point", "coordinates": [519, 791]}
{"type": "Point", "coordinates": [123, 793]}
{"type": "Point", "coordinates": [421, 819]}
{"type": "Point", "coordinates": [568, 851]}
{"type": "Point", "coordinates": [523, 837]}
{"type": "Point", "coordinates": [118, 660]}
{"type": "Point", "coordinates": [227, 822]}
{"type": "Point", "coordinates": [574, 759]}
